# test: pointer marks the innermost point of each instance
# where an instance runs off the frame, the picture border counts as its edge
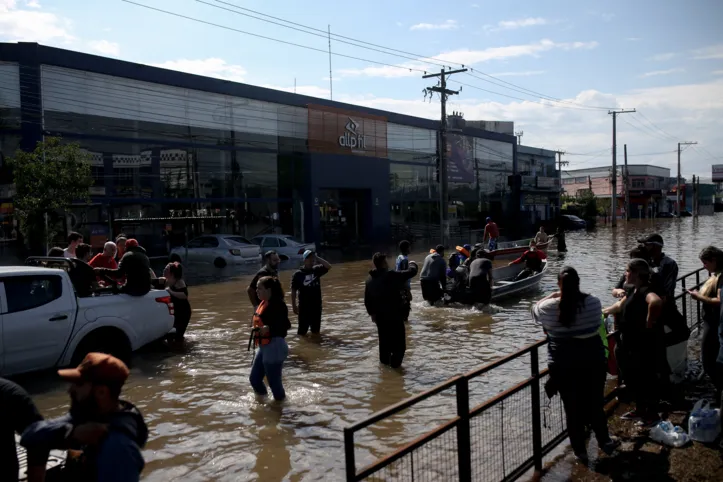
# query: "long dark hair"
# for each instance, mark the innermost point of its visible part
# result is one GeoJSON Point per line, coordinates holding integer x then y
{"type": "Point", "coordinates": [571, 297]}
{"type": "Point", "coordinates": [641, 269]}
{"type": "Point", "coordinates": [273, 284]}
{"type": "Point", "coordinates": [711, 253]}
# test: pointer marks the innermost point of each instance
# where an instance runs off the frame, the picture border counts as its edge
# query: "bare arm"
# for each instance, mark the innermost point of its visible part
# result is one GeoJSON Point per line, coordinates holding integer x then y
{"type": "Point", "coordinates": [655, 308]}
{"type": "Point", "coordinates": [705, 299]}
{"type": "Point", "coordinates": [614, 309]}
{"type": "Point", "coordinates": [252, 295]}
{"type": "Point", "coordinates": [323, 262]}
{"type": "Point", "coordinates": [294, 306]}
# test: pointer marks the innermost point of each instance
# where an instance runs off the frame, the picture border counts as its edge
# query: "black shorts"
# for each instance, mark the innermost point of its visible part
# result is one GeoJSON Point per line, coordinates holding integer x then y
{"type": "Point", "coordinates": [309, 319]}
{"type": "Point", "coordinates": [480, 291]}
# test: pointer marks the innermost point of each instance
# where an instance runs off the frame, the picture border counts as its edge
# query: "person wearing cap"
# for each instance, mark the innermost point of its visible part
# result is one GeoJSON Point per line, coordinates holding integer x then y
{"type": "Point", "coordinates": [109, 431]}
{"type": "Point", "coordinates": [270, 268]}
{"type": "Point", "coordinates": [19, 412]}
{"type": "Point", "coordinates": [661, 264]}
{"type": "Point", "coordinates": [493, 232]}
{"type": "Point", "coordinates": [306, 286]}
{"type": "Point", "coordinates": [433, 279]}
{"type": "Point", "coordinates": [532, 258]}
{"type": "Point", "coordinates": [385, 303]}
{"type": "Point", "coordinates": [135, 267]}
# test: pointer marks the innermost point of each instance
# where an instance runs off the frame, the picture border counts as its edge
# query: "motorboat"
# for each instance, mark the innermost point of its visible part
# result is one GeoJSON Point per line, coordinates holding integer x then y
{"type": "Point", "coordinates": [504, 283]}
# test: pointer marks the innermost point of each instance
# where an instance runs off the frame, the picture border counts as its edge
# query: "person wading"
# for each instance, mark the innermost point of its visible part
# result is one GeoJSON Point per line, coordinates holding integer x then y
{"type": "Point", "coordinates": [176, 287]}
{"type": "Point", "coordinates": [433, 279]}
{"type": "Point", "coordinates": [271, 324]}
{"type": "Point", "coordinates": [480, 278]}
{"type": "Point", "coordinates": [576, 358]}
{"type": "Point", "coordinates": [306, 284]}
{"type": "Point", "coordinates": [402, 264]}
{"type": "Point", "coordinates": [270, 268]}
{"type": "Point", "coordinates": [384, 301]}
{"type": "Point", "coordinates": [641, 341]}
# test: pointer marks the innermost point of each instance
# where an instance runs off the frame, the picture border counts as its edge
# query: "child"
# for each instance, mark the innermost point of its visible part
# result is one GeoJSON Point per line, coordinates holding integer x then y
{"type": "Point", "coordinates": [176, 287]}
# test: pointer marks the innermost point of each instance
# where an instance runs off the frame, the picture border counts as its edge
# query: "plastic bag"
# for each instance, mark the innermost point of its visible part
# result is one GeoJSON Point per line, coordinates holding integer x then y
{"type": "Point", "coordinates": [666, 433]}
{"type": "Point", "coordinates": [704, 423]}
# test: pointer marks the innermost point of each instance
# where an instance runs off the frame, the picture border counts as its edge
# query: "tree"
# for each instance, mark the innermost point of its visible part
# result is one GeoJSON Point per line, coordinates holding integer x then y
{"type": "Point", "coordinates": [47, 180]}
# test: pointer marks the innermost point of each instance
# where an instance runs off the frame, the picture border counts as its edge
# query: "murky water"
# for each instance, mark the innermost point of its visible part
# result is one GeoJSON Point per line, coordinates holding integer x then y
{"type": "Point", "coordinates": [206, 425]}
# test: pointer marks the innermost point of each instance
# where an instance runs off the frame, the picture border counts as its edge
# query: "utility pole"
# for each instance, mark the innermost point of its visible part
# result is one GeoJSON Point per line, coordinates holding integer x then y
{"type": "Point", "coordinates": [441, 89]}
{"type": "Point", "coordinates": [614, 178]}
{"type": "Point", "coordinates": [331, 88]}
{"type": "Point", "coordinates": [560, 163]}
{"type": "Point", "coordinates": [626, 183]}
{"type": "Point", "coordinates": [694, 197]}
{"type": "Point", "coordinates": [519, 135]}
{"type": "Point", "coordinates": [677, 190]}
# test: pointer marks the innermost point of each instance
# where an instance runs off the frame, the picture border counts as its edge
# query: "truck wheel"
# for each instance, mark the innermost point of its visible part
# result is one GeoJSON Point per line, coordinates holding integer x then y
{"type": "Point", "coordinates": [219, 263]}
{"type": "Point", "coordinates": [174, 258]}
{"type": "Point", "coordinates": [104, 340]}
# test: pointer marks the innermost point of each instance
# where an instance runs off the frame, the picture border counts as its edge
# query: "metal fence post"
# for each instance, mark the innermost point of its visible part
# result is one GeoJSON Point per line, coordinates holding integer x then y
{"type": "Point", "coordinates": [349, 455]}
{"type": "Point", "coordinates": [685, 310]}
{"type": "Point", "coordinates": [697, 286]}
{"type": "Point", "coordinates": [464, 450]}
{"type": "Point", "coordinates": [536, 416]}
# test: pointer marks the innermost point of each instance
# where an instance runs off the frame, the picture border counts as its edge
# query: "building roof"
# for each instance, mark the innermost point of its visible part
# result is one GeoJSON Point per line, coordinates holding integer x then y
{"type": "Point", "coordinates": [605, 169]}
{"type": "Point", "coordinates": [535, 151]}
{"type": "Point", "coordinates": [32, 53]}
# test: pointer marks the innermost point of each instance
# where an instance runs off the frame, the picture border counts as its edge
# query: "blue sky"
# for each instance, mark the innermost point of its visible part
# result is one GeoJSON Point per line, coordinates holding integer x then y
{"type": "Point", "coordinates": [664, 58]}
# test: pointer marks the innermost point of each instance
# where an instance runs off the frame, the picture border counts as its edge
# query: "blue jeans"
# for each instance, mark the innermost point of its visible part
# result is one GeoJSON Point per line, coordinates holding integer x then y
{"type": "Point", "coordinates": [268, 362]}
{"type": "Point", "coordinates": [493, 244]}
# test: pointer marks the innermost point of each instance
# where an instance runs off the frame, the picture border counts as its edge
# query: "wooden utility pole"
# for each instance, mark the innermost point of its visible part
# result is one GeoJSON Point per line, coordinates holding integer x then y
{"type": "Point", "coordinates": [677, 190]}
{"type": "Point", "coordinates": [626, 184]}
{"type": "Point", "coordinates": [441, 89]}
{"type": "Point", "coordinates": [614, 179]}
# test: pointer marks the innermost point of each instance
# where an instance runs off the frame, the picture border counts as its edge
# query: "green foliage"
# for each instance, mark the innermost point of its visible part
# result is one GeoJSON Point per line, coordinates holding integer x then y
{"type": "Point", "coordinates": [47, 180]}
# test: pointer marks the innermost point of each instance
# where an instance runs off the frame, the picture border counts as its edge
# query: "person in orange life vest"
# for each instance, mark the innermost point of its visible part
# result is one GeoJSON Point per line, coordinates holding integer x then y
{"type": "Point", "coordinates": [532, 258]}
{"type": "Point", "coordinates": [271, 324]}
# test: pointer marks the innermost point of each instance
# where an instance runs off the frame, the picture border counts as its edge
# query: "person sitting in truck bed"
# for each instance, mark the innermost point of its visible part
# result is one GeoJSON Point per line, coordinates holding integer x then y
{"type": "Point", "coordinates": [135, 266]}
{"type": "Point", "coordinates": [81, 273]}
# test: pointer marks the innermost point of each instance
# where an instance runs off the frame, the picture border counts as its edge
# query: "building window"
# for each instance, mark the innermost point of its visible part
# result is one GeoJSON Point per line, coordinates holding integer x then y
{"type": "Point", "coordinates": [569, 180]}
{"type": "Point", "coordinates": [638, 183]}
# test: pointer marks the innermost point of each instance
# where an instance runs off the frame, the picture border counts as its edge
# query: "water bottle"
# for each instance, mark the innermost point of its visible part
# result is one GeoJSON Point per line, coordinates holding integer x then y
{"type": "Point", "coordinates": [610, 323]}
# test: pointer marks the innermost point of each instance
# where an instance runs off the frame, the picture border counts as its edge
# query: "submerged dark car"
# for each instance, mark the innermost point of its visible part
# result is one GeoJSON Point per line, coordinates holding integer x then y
{"type": "Point", "coordinates": [665, 215]}
{"type": "Point", "coordinates": [686, 214]}
{"type": "Point", "coordinates": [571, 222]}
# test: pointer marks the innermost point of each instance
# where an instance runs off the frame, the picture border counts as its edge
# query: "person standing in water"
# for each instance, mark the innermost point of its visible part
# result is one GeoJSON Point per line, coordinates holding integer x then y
{"type": "Point", "coordinates": [560, 236]}
{"type": "Point", "coordinates": [176, 287]}
{"type": "Point", "coordinates": [493, 232]}
{"type": "Point", "coordinates": [433, 279]}
{"type": "Point", "coordinates": [480, 278]}
{"type": "Point", "coordinates": [271, 325]}
{"type": "Point", "coordinates": [403, 265]}
{"type": "Point", "coordinates": [271, 268]}
{"type": "Point", "coordinates": [385, 303]}
{"type": "Point", "coordinates": [306, 284]}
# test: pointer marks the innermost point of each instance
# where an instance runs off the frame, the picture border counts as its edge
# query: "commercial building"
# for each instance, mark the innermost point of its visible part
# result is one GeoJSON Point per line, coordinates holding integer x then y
{"type": "Point", "coordinates": [648, 187]}
{"type": "Point", "coordinates": [181, 154]}
{"type": "Point", "coordinates": [539, 183]}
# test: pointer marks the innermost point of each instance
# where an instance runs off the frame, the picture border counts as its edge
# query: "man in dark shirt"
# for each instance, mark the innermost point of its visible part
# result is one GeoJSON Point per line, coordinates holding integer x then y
{"type": "Point", "coordinates": [306, 283]}
{"type": "Point", "coordinates": [271, 268]}
{"type": "Point", "coordinates": [18, 413]}
{"type": "Point", "coordinates": [135, 266]}
{"type": "Point", "coordinates": [480, 278]}
{"type": "Point", "coordinates": [661, 264]}
{"type": "Point", "coordinates": [82, 274]}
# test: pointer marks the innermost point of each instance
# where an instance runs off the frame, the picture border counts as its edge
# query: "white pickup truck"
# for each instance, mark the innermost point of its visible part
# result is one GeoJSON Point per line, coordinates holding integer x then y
{"type": "Point", "coordinates": [45, 325]}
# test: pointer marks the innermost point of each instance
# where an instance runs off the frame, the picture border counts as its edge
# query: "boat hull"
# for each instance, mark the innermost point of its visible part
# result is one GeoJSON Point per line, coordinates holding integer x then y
{"type": "Point", "coordinates": [504, 284]}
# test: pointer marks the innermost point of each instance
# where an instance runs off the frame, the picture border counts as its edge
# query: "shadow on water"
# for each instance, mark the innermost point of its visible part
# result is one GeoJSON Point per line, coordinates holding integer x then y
{"type": "Point", "coordinates": [205, 423]}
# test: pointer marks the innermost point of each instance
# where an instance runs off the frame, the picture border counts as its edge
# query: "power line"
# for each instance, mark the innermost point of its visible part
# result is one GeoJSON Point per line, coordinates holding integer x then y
{"type": "Point", "coordinates": [654, 125]}
{"type": "Point", "coordinates": [519, 98]}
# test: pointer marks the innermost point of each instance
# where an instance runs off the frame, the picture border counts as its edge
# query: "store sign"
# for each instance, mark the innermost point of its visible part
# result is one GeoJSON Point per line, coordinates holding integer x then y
{"type": "Point", "coordinates": [341, 131]}
{"type": "Point", "coordinates": [718, 173]}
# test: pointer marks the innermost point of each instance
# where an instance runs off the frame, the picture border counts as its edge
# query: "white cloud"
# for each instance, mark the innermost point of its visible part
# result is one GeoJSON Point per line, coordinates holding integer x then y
{"type": "Point", "coordinates": [21, 25]}
{"type": "Point", "coordinates": [709, 53]}
{"type": "Point", "coordinates": [515, 24]}
{"type": "Point", "coordinates": [32, 4]}
{"type": "Point", "coordinates": [104, 47]}
{"type": "Point", "coordinates": [468, 57]}
{"type": "Point", "coordinates": [525, 73]}
{"type": "Point", "coordinates": [717, 72]}
{"type": "Point", "coordinates": [662, 57]}
{"type": "Point", "coordinates": [446, 25]}
{"type": "Point", "coordinates": [210, 67]}
{"type": "Point", "coordinates": [656, 73]}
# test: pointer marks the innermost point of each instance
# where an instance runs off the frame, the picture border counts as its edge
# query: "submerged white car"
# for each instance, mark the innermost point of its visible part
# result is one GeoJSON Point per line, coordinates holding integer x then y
{"type": "Point", "coordinates": [220, 250]}
{"type": "Point", "coordinates": [284, 244]}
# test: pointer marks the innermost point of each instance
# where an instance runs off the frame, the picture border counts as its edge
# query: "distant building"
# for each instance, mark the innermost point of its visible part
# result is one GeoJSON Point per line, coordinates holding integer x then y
{"type": "Point", "coordinates": [539, 183]}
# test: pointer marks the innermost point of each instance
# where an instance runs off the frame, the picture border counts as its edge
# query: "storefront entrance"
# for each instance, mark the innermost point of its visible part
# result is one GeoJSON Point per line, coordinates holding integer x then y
{"type": "Point", "coordinates": [345, 217]}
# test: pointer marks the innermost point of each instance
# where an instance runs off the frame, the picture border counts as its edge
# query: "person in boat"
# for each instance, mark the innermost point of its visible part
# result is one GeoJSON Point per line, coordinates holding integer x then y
{"type": "Point", "coordinates": [639, 346]}
{"type": "Point", "coordinates": [576, 359]}
{"type": "Point", "coordinates": [480, 278]}
{"type": "Point", "coordinates": [385, 302]}
{"type": "Point", "coordinates": [533, 259]}
{"type": "Point", "coordinates": [493, 232]}
{"type": "Point", "coordinates": [433, 279]}
{"type": "Point", "coordinates": [710, 296]}
{"type": "Point", "coordinates": [541, 238]}
{"type": "Point", "coordinates": [457, 259]}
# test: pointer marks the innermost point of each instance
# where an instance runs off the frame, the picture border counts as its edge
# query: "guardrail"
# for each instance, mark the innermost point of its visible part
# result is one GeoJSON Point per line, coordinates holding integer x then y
{"type": "Point", "coordinates": [497, 440]}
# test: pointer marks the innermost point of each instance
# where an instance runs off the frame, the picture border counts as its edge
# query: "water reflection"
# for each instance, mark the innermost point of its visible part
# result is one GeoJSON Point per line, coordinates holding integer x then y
{"type": "Point", "coordinates": [206, 425]}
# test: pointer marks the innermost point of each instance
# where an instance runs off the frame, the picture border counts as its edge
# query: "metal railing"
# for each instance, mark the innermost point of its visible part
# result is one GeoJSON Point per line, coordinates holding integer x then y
{"type": "Point", "coordinates": [497, 440]}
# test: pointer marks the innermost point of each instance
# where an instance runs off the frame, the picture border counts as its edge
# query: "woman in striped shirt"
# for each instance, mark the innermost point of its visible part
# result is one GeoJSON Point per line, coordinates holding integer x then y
{"type": "Point", "coordinates": [576, 358]}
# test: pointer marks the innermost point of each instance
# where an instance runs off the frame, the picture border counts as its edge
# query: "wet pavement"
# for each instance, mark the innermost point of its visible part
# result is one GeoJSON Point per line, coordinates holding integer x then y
{"type": "Point", "coordinates": [205, 423]}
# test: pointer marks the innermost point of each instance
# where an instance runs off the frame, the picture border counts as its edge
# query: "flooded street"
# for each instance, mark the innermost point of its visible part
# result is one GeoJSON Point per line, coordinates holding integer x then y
{"type": "Point", "coordinates": [205, 423]}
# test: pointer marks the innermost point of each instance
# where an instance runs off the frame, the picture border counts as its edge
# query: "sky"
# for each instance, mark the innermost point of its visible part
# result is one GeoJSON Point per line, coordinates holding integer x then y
{"type": "Point", "coordinates": [557, 67]}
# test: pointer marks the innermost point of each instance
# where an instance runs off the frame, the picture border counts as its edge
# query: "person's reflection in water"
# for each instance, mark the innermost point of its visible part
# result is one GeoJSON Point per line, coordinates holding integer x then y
{"type": "Point", "coordinates": [389, 390]}
{"type": "Point", "coordinates": [273, 460]}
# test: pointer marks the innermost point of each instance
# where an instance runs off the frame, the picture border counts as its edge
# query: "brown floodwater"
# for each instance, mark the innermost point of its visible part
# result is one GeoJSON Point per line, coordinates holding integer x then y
{"type": "Point", "coordinates": [205, 423]}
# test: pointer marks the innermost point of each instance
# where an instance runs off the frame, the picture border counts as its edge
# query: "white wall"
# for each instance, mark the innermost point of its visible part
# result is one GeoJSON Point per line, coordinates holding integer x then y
{"type": "Point", "coordinates": [80, 92]}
